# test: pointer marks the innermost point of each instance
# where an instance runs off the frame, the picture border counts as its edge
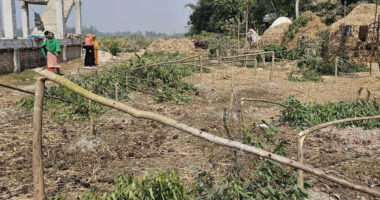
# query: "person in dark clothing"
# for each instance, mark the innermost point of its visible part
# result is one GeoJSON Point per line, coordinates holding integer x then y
{"type": "Point", "coordinates": [89, 59]}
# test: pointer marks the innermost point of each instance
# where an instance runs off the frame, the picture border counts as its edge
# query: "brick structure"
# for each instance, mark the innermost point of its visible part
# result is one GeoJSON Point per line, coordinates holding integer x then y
{"type": "Point", "coordinates": [19, 55]}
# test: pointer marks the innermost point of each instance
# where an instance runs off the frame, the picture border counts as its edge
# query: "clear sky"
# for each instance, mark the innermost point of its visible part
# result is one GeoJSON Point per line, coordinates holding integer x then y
{"type": "Point", "coordinates": [166, 16]}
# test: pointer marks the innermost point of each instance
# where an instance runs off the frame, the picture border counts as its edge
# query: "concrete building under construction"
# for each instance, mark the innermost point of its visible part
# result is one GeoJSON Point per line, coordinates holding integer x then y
{"type": "Point", "coordinates": [20, 53]}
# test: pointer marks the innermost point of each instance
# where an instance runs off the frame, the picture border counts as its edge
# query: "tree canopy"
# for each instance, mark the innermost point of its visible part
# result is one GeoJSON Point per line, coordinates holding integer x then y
{"type": "Point", "coordinates": [220, 16]}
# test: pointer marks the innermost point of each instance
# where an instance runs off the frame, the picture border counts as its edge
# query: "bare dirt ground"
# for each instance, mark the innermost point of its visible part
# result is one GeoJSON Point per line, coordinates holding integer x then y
{"type": "Point", "coordinates": [76, 162]}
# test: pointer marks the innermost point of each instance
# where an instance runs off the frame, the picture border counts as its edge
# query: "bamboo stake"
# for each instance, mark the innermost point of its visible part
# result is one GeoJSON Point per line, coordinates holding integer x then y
{"type": "Point", "coordinates": [198, 133]}
{"type": "Point", "coordinates": [302, 135]}
{"type": "Point", "coordinates": [245, 61]}
{"type": "Point", "coordinates": [117, 91]}
{"type": "Point", "coordinates": [92, 126]}
{"type": "Point", "coordinates": [201, 66]}
{"type": "Point", "coordinates": [336, 69]}
{"type": "Point", "coordinates": [271, 68]}
{"type": "Point", "coordinates": [256, 65]}
{"type": "Point", "coordinates": [38, 172]}
{"type": "Point", "coordinates": [263, 58]}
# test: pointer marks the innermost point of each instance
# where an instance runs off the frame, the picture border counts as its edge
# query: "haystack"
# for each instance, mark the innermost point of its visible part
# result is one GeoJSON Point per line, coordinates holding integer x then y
{"type": "Point", "coordinates": [352, 46]}
{"type": "Point", "coordinates": [273, 35]}
{"type": "Point", "coordinates": [173, 45]}
{"type": "Point", "coordinates": [280, 20]}
{"type": "Point", "coordinates": [307, 35]}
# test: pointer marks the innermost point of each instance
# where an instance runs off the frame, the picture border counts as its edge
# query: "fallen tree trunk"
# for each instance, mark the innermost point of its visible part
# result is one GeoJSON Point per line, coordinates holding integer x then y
{"type": "Point", "coordinates": [201, 134]}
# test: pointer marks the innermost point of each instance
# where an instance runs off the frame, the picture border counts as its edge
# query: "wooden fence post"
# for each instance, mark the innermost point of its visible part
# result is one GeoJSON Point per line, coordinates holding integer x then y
{"type": "Point", "coordinates": [336, 69]}
{"type": "Point", "coordinates": [256, 65]}
{"type": "Point", "coordinates": [117, 91]}
{"type": "Point", "coordinates": [201, 66]}
{"type": "Point", "coordinates": [271, 69]}
{"type": "Point", "coordinates": [263, 58]}
{"type": "Point", "coordinates": [38, 172]}
{"type": "Point", "coordinates": [92, 126]}
{"type": "Point", "coordinates": [245, 61]}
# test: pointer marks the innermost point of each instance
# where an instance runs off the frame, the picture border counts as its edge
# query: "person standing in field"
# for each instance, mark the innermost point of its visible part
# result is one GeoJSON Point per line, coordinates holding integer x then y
{"type": "Point", "coordinates": [51, 50]}
{"type": "Point", "coordinates": [89, 59]}
{"type": "Point", "coordinates": [96, 50]}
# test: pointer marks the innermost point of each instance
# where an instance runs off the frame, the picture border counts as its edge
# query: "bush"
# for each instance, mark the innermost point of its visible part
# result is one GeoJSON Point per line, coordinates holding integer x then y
{"type": "Point", "coordinates": [307, 115]}
{"type": "Point", "coordinates": [300, 22]}
{"type": "Point", "coordinates": [318, 64]}
{"type": "Point", "coordinates": [161, 186]}
{"type": "Point", "coordinates": [114, 48]}
{"type": "Point", "coordinates": [283, 52]}
{"type": "Point", "coordinates": [306, 75]}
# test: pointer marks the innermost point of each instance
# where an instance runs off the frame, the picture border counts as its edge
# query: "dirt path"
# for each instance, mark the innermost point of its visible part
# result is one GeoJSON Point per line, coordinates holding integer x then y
{"type": "Point", "coordinates": [125, 145]}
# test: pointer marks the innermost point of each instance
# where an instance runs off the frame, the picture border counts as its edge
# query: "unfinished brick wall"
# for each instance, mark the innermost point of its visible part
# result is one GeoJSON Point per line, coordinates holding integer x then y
{"type": "Point", "coordinates": [6, 61]}
{"type": "Point", "coordinates": [32, 58]}
{"type": "Point", "coordinates": [73, 52]}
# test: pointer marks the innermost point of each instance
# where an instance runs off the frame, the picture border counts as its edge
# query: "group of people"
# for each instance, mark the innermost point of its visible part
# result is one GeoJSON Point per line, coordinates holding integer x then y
{"type": "Point", "coordinates": [51, 49]}
{"type": "Point", "coordinates": [91, 46]}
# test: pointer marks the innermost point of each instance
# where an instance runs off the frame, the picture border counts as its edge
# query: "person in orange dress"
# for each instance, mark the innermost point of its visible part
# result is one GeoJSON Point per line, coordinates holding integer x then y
{"type": "Point", "coordinates": [96, 50]}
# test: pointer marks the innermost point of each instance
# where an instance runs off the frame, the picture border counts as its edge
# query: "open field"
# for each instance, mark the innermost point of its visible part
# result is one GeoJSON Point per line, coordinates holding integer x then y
{"type": "Point", "coordinates": [75, 162]}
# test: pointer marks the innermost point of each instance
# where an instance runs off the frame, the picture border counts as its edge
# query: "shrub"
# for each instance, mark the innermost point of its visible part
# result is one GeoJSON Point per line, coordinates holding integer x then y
{"type": "Point", "coordinates": [300, 22]}
{"type": "Point", "coordinates": [307, 115]}
{"type": "Point", "coordinates": [114, 48]}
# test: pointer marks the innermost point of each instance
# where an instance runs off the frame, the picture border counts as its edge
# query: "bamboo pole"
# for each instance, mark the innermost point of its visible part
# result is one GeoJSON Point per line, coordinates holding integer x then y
{"type": "Point", "coordinates": [201, 66]}
{"type": "Point", "coordinates": [245, 61]}
{"type": "Point", "coordinates": [92, 126]}
{"type": "Point", "coordinates": [263, 58]}
{"type": "Point", "coordinates": [198, 133]}
{"type": "Point", "coordinates": [117, 91]}
{"type": "Point", "coordinates": [336, 69]}
{"type": "Point", "coordinates": [271, 68]}
{"type": "Point", "coordinates": [38, 172]}
{"type": "Point", "coordinates": [302, 135]}
{"type": "Point", "coordinates": [256, 65]}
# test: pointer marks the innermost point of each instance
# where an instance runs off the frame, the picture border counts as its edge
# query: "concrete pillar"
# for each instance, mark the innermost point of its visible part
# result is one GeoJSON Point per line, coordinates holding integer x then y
{"type": "Point", "coordinates": [60, 19]}
{"type": "Point", "coordinates": [25, 19]}
{"type": "Point", "coordinates": [16, 61]}
{"type": "Point", "coordinates": [78, 16]}
{"type": "Point", "coordinates": [64, 53]}
{"type": "Point", "coordinates": [9, 10]}
{"type": "Point", "coordinates": [1, 23]}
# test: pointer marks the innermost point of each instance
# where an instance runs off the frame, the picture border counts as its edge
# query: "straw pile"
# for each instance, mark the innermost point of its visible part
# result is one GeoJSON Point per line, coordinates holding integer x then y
{"type": "Point", "coordinates": [362, 15]}
{"type": "Point", "coordinates": [307, 36]}
{"type": "Point", "coordinates": [273, 35]}
{"type": "Point", "coordinates": [181, 45]}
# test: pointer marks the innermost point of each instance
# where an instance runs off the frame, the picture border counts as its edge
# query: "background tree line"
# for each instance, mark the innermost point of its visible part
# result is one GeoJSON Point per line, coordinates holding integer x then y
{"type": "Point", "coordinates": [223, 16]}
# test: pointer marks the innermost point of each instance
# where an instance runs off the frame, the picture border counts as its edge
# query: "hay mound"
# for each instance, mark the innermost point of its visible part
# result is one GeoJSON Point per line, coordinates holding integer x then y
{"type": "Point", "coordinates": [361, 15]}
{"type": "Point", "coordinates": [280, 20]}
{"type": "Point", "coordinates": [307, 36]}
{"type": "Point", "coordinates": [273, 35]}
{"type": "Point", "coordinates": [173, 45]}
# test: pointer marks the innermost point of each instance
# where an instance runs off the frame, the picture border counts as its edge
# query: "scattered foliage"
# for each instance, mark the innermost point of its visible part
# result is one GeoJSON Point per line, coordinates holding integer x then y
{"type": "Point", "coordinates": [306, 75]}
{"type": "Point", "coordinates": [307, 115]}
{"type": "Point", "coordinates": [321, 66]}
{"type": "Point", "coordinates": [283, 52]}
{"type": "Point", "coordinates": [164, 82]}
